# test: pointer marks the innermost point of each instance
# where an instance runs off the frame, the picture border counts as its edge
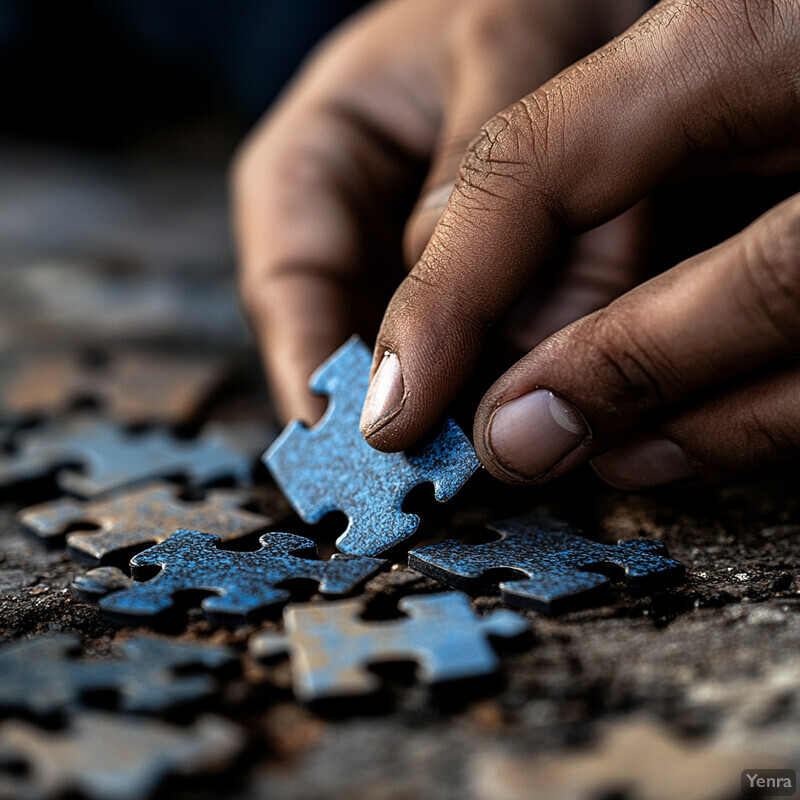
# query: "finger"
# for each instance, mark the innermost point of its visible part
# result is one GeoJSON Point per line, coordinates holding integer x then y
{"type": "Point", "coordinates": [717, 316]}
{"type": "Point", "coordinates": [312, 191]}
{"type": "Point", "coordinates": [572, 155]}
{"type": "Point", "coordinates": [749, 431]}
{"type": "Point", "coordinates": [601, 265]}
{"type": "Point", "coordinates": [500, 52]}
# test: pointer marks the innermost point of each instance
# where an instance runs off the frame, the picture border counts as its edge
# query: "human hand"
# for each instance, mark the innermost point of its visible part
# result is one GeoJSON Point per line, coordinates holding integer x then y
{"type": "Point", "coordinates": [698, 363]}
{"type": "Point", "coordinates": [324, 186]}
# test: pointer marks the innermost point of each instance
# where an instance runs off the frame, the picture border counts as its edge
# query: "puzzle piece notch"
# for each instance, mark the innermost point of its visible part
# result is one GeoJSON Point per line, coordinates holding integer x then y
{"type": "Point", "coordinates": [111, 458]}
{"type": "Point", "coordinates": [138, 518]}
{"type": "Point", "coordinates": [239, 583]}
{"type": "Point", "coordinates": [331, 467]}
{"type": "Point", "coordinates": [109, 757]}
{"type": "Point", "coordinates": [331, 646]}
{"type": "Point", "coordinates": [132, 387]}
{"type": "Point", "coordinates": [561, 568]}
{"type": "Point", "coordinates": [41, 678]}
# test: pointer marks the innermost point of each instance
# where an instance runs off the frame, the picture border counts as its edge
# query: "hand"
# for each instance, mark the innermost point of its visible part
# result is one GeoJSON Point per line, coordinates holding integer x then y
{"type": "Point", "coordinates": [690, 374]}
{"type": "Point", "coordinates": [324, 186]}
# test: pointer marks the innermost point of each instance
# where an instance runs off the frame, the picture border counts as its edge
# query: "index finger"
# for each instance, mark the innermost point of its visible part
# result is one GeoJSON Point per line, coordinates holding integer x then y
{"type": "Point", "coordinates": [687, 80]}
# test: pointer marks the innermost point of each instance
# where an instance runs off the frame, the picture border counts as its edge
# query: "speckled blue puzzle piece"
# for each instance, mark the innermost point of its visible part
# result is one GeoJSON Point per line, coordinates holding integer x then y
{"type": "Point", "coordinates": [331, 647]}
{"type": "Point", "coordinates": [331, 468]}
{"type": "Point", "coordinates": [240, 583]}
{"type": "Point", "coordinates": [563, 569]}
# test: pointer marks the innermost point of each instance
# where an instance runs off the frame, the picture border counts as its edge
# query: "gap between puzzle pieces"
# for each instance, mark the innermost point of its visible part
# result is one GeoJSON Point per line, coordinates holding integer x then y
{"type": "Point", "coordinates": [138, 518]}
{"type": "Point", "coordinates": [238, 584]}
{"type": "Point", "coordinates": [562, 569]}
{"type": "Point", "coordinates": [331, 647]}
{"type": "Point", "coordinates": [332, 468]}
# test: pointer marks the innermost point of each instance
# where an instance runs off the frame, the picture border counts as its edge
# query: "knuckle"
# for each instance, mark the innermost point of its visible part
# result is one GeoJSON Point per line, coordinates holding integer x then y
{"type": "Point", "coordinates": [633, 370]}
{"type": "Point", "coordinates": [768, 442]}
{"type": "Point", "coordinates": [502, 150]}
{"type": "Point", "coordinates": [770, 271]}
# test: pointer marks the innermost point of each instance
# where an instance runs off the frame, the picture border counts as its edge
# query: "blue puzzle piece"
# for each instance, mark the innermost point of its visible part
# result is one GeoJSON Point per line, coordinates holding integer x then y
{"type": "Point", "coordinates": [240, 583]}
{"type": "Point", "coordinates": [40, 677]}
{"type": "Point", "coordinates": [331, 468]}
{"type": "Point", "coordinates": [562, 568]}
{"type": "Point", "coordinates": [331, 647]}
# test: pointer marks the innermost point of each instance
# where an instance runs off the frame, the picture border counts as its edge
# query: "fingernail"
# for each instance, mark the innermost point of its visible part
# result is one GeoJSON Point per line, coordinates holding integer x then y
{"type": "Point", "coordinates": [532, 433]}
{"type": "Point", "coordinates": [385, 396]}
{"type": "Point", "coordinates": [649, 460]}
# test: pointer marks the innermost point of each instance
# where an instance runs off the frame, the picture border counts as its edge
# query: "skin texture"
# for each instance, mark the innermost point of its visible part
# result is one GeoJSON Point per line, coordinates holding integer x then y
{"type": "Point", "coordinates": [688, 374]}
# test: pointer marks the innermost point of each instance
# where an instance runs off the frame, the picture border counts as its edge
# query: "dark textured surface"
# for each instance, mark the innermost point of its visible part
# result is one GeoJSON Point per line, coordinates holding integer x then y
{"type": "Point", "coordinates": [331, 467]}
{"type": "Point", "coordinates": [239, 584]}
{"type": "Point", "coordinates": [331, 647]}
{"type": "Point", "coordinates": [563, 569]}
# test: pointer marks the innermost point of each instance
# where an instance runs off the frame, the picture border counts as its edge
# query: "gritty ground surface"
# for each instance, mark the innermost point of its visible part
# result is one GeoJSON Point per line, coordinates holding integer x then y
{"type": "Point", "coordinates": [716, 660]}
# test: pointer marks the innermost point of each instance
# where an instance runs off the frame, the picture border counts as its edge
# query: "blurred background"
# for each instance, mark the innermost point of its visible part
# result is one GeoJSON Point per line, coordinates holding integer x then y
{"type": "Point", "coordinates": [119, 119]}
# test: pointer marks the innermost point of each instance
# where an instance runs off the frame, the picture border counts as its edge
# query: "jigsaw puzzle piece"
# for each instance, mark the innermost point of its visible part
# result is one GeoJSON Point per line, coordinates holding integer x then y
{"type": "Point", "coordinates": [560, 567]}
{"type": "Point", "coordinates": [98, 582]}
{"type": "Point", "coordinates": [331, 647]}
{"type": "Point", "coordinates": [107, 757]}
{"type": "Point", "coordinates": [138, 518]}
{"type": "Point", "coordinates": [131, 386]}
{"type": "Point", "coordinates": [109, 457]}
{"type": "Point", "coordinates": [41, 677]}
{"type": "Point", "coordinates": [239, 583]}
{"type": "Point", "coordinates": [331, 467]}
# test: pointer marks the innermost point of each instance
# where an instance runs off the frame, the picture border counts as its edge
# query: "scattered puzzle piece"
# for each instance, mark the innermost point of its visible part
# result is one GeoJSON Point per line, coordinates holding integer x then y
{"type": "Point", "coordinates": [638, 758]}
{"type": "Point", "coordinates": [40, 677]}
{"type": "Point", "coordinates": [331, 468]}
{"type": "Point", "coordinates": [330, 646]}
{"type": "Point", "coordinates": [240, 583]}
{"type": "Point", "coordinates": [138, 518]}
{"type": "Point", "coordinates": [132, 387]}
{"type": "Point", "coordinates": [106, 757]}
{"type": "Point", "coordinates": [111, 458]}
{"type": "Point", "coordinates": [561, 566]}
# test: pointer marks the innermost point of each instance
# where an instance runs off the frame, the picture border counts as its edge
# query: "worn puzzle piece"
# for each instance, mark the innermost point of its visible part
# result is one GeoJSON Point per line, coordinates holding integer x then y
{"type": "Point", "coordinates": [110, 457]}
{"type": "Point", "coordinates": [241, 583]}
{"type": "Point", "coordinates": [638, 757]}
{"type": "Point", "coordinates": [108, 757]}
{"type": "Point", "coordinates": [138, 518]}
{"type": "Point", "coordinates": [131, 387]}
{"type": "Point", "coordinates": [331, 467]}
{"type": "Point", "coordinates": [562, 568]}
{"type": "Point", "coordinates": [330, 646]}
{"type": "Point", "coordinates": [40, 677]}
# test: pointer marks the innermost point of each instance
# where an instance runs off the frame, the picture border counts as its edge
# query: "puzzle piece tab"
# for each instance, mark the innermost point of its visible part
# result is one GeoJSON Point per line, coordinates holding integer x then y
{"type": "Point", "coordinates": [132, 386]}
{"type": "Point", "coordinates": [41, 678]}
{"type": "Point", "coordinates": [240, 583]}
{"type": "Point", "coordinates": [330, 646]}
{"type": "Point", "coordinates": [110, 458]}
{"type": "Point", "coordinates": [331, 468]}
{"type": "Point", "coordinates": [562, 569]}
{"type": "Point", "coordinates": [108, 757]}
{"type": "Point", "coordinates": [138, 518]}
